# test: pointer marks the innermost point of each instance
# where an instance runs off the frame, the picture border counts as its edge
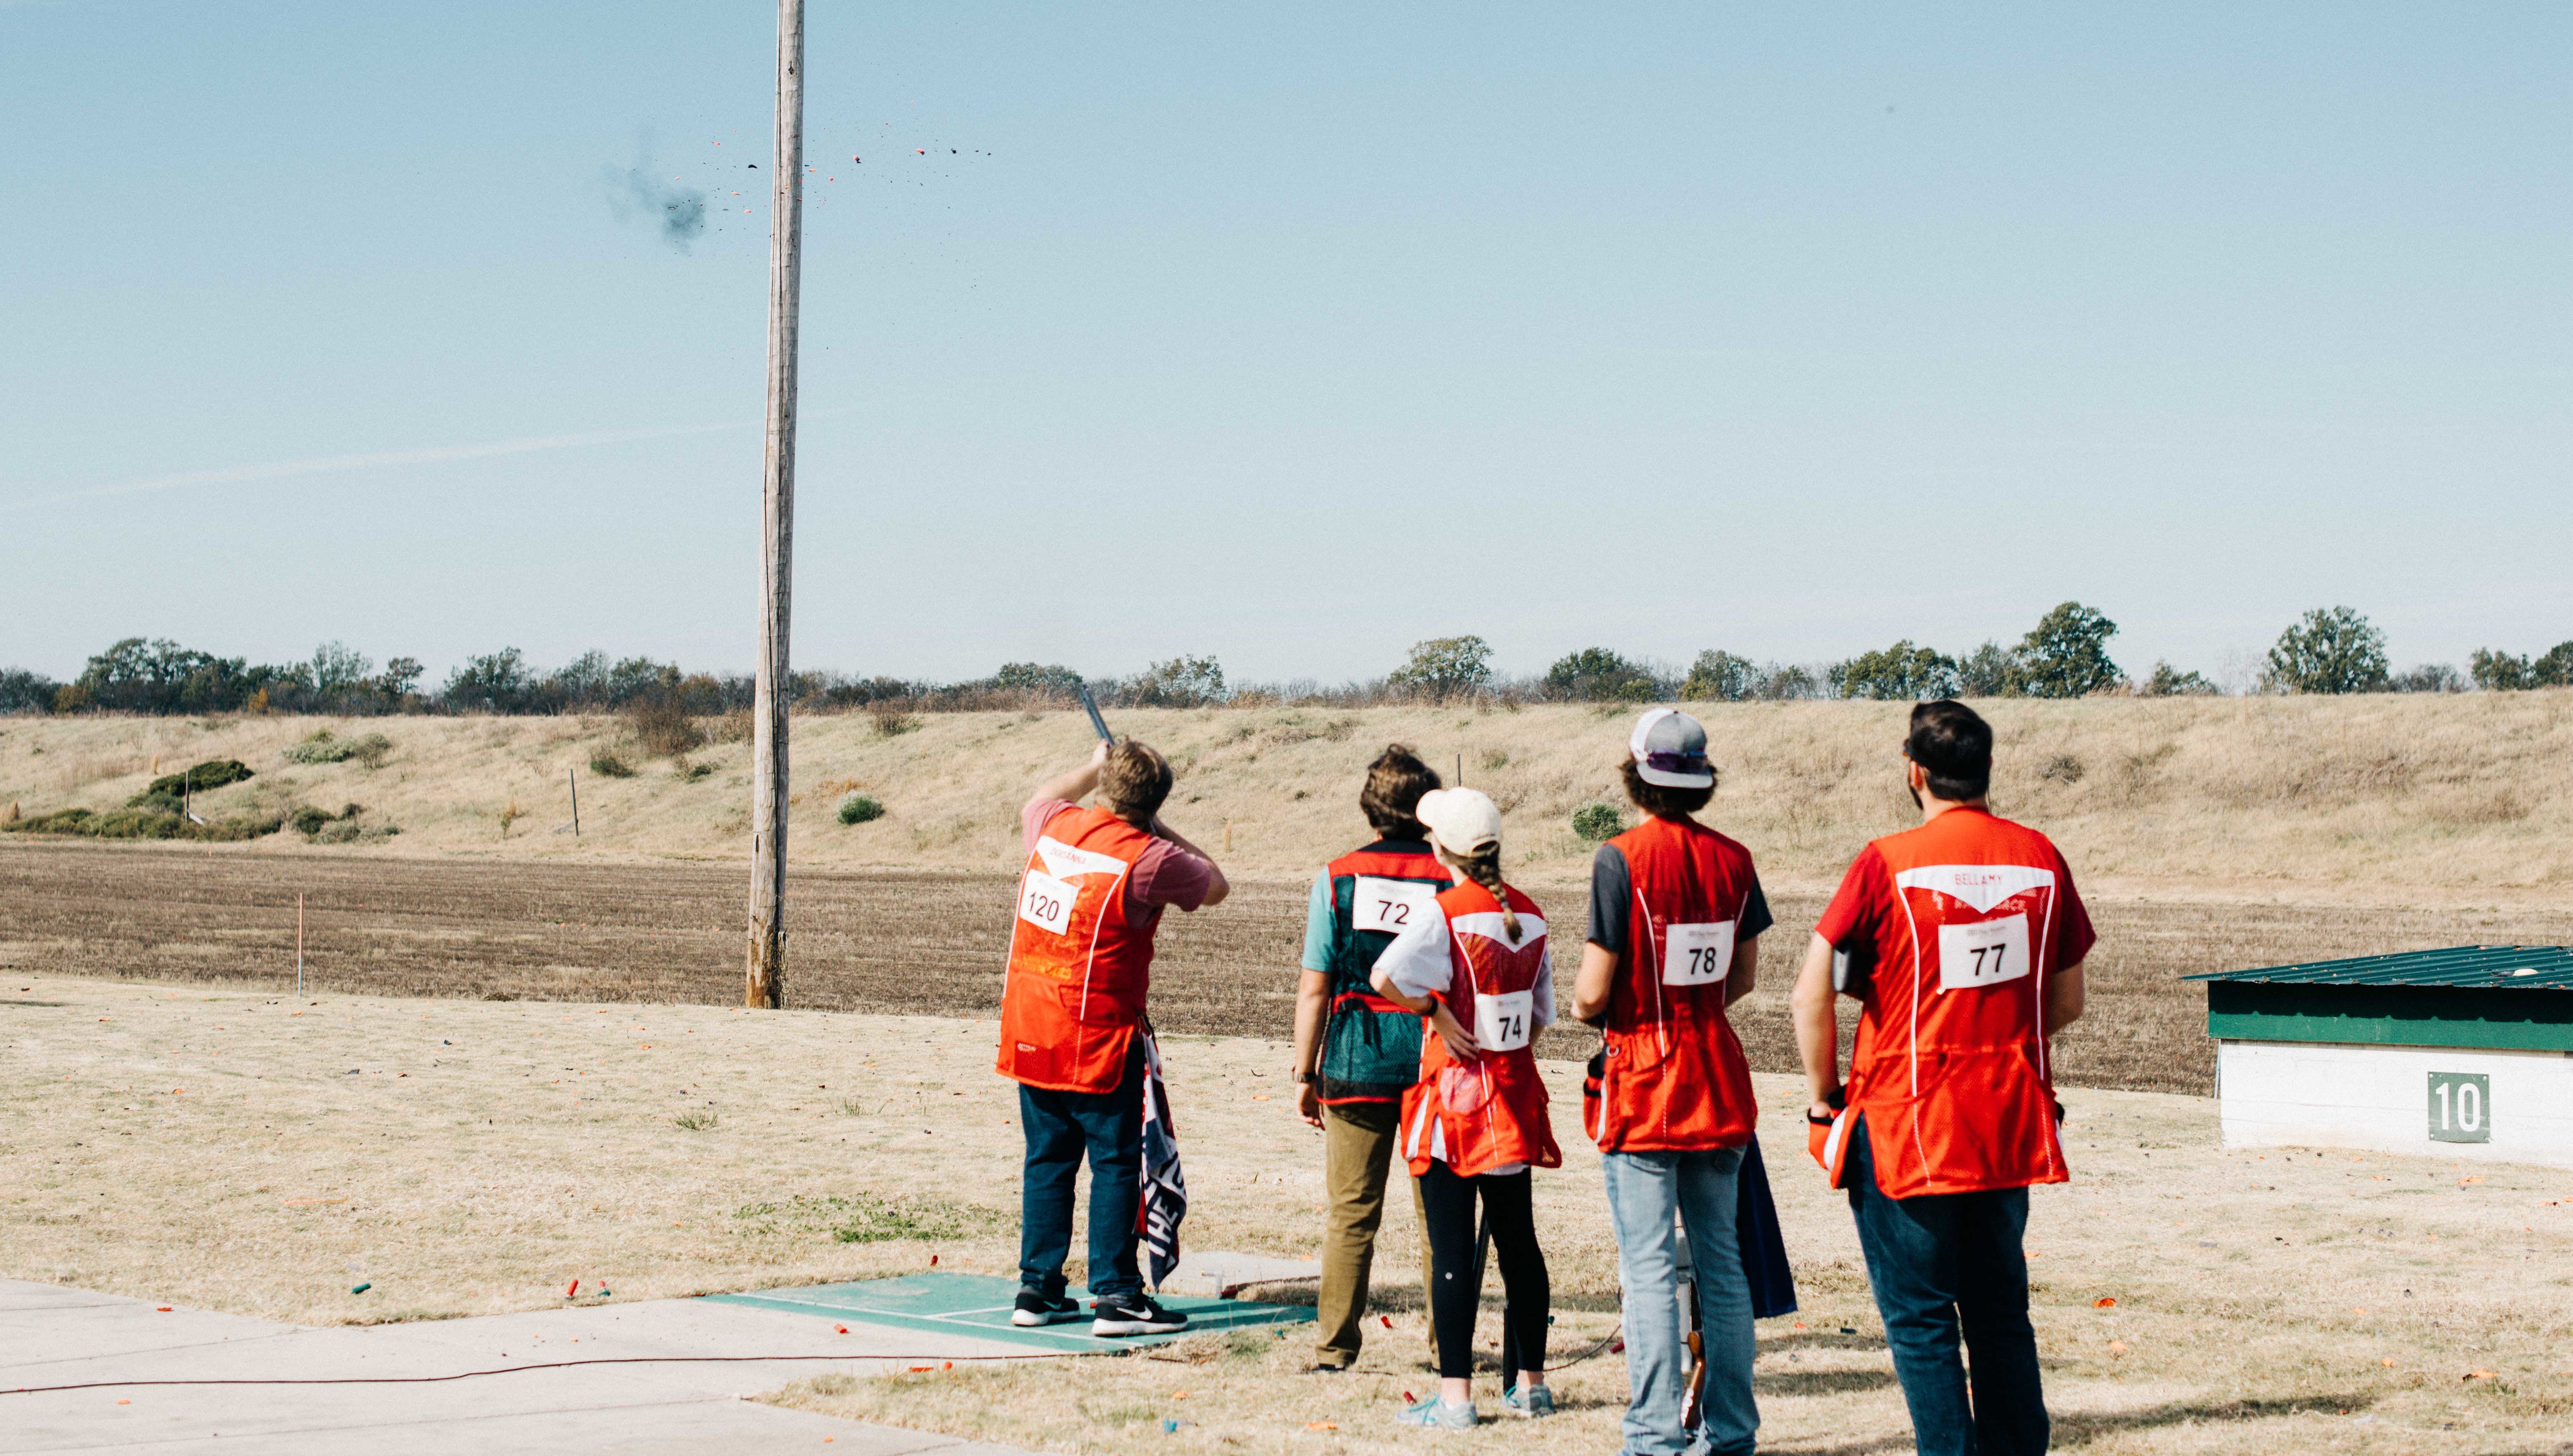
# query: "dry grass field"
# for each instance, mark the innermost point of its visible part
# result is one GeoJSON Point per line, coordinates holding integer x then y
{"type": "Point", "coordinates": [2460, 799]}
{"type": "Point", "coordinates": [933, 944]}
{"type": "Point", "coordinates": [472, 1157]}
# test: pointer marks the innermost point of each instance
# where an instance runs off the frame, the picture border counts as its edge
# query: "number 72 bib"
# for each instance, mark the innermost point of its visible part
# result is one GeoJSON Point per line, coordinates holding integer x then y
{"type": "Point", "coordinates": [1390, 905]}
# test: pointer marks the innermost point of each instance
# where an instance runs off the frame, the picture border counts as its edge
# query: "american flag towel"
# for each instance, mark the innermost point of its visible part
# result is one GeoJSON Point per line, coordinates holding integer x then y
{"type": "Point", "coordinates": [1165, 1188]}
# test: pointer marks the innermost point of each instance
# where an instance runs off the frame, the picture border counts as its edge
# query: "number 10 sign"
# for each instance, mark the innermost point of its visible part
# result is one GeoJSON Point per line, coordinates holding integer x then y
{"type": "Point", "coordinates": [2461, 1107]}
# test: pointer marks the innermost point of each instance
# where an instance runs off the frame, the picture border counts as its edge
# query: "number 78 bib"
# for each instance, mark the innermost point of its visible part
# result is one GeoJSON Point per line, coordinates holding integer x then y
{"type": "Point", "coordinates": [1697, 954]}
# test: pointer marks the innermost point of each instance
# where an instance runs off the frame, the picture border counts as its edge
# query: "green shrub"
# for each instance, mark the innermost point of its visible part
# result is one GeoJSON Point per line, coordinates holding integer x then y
{"type": "Point", "coordinates": [311, 820]}
{"type": "Point", "coordinates": [369, 749]}
{"type": "Point", "coordinates": [1597, 822]}
{"type": "Point", "coordinates": [320, 748]}
{"type": "Point", "coordinates": [608, 765]}
{"type": "Point", "coordinates": [860, 809]}
{"type": "Point", "coordinates": [214, 773]}
{"type": "Point", "coordinates": [689, 773]}
{"type": "Point", "coordinates": [662, 728]}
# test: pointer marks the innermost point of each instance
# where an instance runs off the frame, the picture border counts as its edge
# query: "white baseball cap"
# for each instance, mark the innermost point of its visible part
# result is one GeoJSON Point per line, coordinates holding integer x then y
{"type": "Point", "coordinates": [1461, 821]}
{"type": "Point", "coordinates": [1670, 750]}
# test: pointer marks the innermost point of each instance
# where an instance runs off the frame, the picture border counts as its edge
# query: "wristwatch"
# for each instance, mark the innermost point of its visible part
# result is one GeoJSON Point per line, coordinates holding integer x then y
{"type": "Point", "coordinates": [1303, 1077]}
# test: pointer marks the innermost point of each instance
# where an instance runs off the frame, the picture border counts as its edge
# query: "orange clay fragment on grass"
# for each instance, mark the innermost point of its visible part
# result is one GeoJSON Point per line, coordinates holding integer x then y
{"type": "Point", "coordinates": [2104, 1302]}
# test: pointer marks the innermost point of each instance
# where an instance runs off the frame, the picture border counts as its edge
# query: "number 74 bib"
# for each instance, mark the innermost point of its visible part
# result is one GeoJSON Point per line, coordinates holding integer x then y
{"type": "Point", "coordinates": [1503, 1019]}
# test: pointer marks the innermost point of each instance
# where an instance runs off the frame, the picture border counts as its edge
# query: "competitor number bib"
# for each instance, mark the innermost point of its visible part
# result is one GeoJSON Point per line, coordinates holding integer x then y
{"type": "Point", "coordinates": [1697, 954]}
{"type": "Point", "coordinates": [1502, 1020]}
{"type": "Point", "coordinates": [1985, 952]}
{"type": "Point", "coordinates": [1390, 905]}
{"type": "Point", "coordinates": [1046, 902]}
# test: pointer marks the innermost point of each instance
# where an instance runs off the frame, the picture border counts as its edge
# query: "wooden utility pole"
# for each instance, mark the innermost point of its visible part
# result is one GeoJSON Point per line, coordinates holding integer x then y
{"type": "Point", "coordinates": [765, 985]}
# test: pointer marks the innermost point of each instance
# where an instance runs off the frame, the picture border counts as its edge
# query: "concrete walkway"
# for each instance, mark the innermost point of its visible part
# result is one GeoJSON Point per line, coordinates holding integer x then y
{"type": "Point", "coordinates": [50, 1336]}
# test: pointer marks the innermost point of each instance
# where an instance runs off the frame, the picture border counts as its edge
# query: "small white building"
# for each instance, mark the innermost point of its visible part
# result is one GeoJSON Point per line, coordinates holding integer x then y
{"type": "Point", "coordinates": [2463, 1052]}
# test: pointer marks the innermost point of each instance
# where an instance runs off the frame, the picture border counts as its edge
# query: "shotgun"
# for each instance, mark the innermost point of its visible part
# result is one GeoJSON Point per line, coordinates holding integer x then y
{"type": "Point", "coordinates": [1097, 724]}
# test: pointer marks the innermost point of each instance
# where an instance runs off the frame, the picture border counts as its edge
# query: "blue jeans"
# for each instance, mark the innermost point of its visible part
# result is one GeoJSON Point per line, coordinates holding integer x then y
{"type": "Point", "coordinates": [1647, 1192]}
{"type": "Point", "coordinates": [1061, 1127]}
{"type": "Point", "coordinates": [1936, 1261]}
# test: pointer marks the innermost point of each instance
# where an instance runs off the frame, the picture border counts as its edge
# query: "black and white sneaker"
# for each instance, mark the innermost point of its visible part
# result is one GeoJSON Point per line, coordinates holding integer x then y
{"type": "Point", "coordinates": [1132, 1314]}
{"type": "Point", "coordinates": [1035, 1310]}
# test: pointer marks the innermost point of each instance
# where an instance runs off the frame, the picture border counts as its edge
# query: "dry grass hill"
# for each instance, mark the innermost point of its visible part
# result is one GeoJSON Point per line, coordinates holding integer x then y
{"type": "Point", "coordinates": [2352, 799]}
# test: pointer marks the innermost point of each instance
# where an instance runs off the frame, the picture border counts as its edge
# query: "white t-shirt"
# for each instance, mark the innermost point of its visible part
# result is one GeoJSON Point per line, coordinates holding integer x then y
{"type": "Point", "coordinates": [1417, 964]}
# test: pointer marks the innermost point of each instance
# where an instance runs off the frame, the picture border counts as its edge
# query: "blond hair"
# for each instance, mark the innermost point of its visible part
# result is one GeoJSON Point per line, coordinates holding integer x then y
{"type": "Point", "coordinates": [1484, 867]}
{"type": "Point", "coordinates": [1134, 780]}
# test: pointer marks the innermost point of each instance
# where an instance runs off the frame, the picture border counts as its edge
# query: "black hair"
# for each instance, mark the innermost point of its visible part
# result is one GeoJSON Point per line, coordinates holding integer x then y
{"type": "Point", "coordinates": [1953, 746]}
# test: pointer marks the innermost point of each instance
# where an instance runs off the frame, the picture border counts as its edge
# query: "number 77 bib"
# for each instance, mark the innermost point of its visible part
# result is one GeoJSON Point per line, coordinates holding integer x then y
{"type": "Point", "coordinates": [1984, 952]}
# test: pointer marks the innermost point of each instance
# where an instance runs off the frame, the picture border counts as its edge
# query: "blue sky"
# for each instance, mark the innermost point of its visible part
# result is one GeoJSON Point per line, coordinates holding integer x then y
{"type": "Point", "coordinates": [1291, 335]}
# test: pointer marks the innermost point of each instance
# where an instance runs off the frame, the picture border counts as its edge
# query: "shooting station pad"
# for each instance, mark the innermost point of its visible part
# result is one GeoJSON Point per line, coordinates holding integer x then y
{"type": "Point", "coordinates": [978, 1305]}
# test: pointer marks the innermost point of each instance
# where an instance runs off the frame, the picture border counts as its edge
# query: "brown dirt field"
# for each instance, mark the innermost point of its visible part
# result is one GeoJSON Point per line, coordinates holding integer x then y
{"type": "Point", "coordinates": [932, 943]}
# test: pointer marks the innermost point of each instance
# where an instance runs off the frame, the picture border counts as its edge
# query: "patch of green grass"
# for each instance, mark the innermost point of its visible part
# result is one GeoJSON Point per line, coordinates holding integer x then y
{"type": "Point", "coordinates": [867, 1218]}
{"type": "Point", "coordinates": [861, 809]}
{"type": "Point", "coordinates": [146, 823]}
{"type": "Point", "coordinates": [608, 765]}
{"type": "Point", "coordinates": [696, 1122]}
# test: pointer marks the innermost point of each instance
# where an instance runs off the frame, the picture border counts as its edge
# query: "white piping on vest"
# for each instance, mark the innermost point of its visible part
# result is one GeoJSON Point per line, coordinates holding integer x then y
{"type": "Point", "coordinates": [1653, 968]}
{"type": "Point", "coordinates": [1919, 1148]}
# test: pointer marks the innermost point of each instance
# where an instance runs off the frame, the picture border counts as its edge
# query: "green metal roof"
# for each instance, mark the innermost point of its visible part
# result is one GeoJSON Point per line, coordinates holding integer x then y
{"type": "Point", "coordinates": [2459, 968]}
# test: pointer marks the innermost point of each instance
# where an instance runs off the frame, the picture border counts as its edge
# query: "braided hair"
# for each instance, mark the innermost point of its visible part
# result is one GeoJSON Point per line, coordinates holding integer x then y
{"type": "Point", "coordinates": [1484, 869]}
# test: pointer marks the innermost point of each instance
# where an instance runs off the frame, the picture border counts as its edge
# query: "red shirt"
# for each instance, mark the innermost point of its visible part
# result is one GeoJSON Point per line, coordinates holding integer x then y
{"type": "Point", "coordinates": [1166, 875]}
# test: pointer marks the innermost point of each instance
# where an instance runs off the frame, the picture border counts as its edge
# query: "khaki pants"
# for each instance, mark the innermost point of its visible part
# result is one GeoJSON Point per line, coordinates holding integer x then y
{"type": "Point", "coordinates": [1358, 1151]}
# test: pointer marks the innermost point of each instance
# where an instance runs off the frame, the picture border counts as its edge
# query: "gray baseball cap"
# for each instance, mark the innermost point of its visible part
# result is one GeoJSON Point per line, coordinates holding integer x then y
{"type": "Point", "coordinates": [1670, 750]}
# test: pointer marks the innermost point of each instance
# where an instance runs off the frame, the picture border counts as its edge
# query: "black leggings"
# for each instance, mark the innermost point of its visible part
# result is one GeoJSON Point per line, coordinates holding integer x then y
{"type": "Point", "coordinates": [1447, 1207]}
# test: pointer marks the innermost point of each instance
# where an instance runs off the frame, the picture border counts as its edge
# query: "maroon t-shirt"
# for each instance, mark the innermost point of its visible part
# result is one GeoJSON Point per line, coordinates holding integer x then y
{"type": "Point", "coordinates": [1165, 875]}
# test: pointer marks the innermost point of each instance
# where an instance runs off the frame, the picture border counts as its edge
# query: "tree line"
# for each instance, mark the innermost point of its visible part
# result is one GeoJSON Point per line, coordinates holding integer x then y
{"type": "Point", "coordinates": [2064, 655]}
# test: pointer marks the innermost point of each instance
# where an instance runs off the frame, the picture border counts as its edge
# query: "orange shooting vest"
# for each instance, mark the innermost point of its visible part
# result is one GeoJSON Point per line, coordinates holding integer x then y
{"type": "Point", "coordinates": [1674, 1079]}
{"type": "Point", "coordinates": [1950, 1067]}
{"type": "Point", "coordinates": [1078, 965]}
{"type": "Point", "coordinates": [1491, 1111]}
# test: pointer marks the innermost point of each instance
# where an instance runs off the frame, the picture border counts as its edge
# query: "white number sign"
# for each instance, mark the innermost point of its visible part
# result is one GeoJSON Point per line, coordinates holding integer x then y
{"type": "Point", "coordinates": [1046, 901]}
{"type": "Point", "coordinates": [1390, 905]}
{"type": "Point", "coordinates": [1501, 1021]}
{"type": "Point", "coordinates": [1983, 953]}
{"type": "Point", "coordinates": [1697, 954]}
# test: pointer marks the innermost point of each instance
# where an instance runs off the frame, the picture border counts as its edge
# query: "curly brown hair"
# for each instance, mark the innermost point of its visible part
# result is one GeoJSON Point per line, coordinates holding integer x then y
{"type": "Point", "coordinates": [1663, 802]}
{"type": "Point", "coordinates": [1394, 784]}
